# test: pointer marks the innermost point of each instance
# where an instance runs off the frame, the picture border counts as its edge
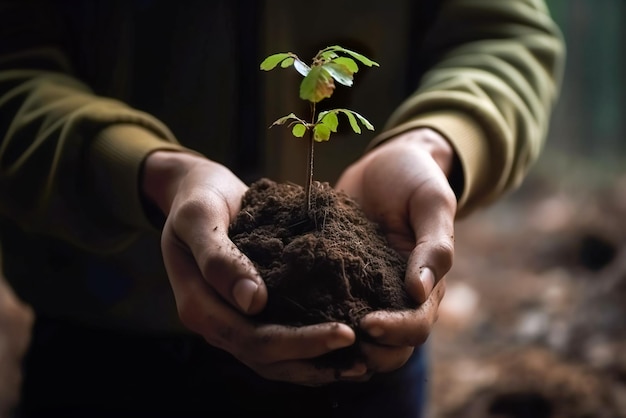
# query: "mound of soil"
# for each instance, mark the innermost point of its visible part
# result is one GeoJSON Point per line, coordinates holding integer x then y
{"type": "Point", "coordinates": [331, 264]}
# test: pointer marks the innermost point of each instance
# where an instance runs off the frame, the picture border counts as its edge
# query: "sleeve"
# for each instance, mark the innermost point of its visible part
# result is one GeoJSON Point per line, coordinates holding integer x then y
{"type": "Point", "coordinates": [69, 160]}
{"type": "Point", "coordinates": [495, 75]}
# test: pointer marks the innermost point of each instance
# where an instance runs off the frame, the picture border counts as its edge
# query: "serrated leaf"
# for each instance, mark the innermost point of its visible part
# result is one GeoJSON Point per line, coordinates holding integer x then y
{"type": "Point", "coordinates": [329, 119]}
{"type": "Point", "coordinates": [287, 62]}
{"type": "Point", "coordinates": [348, 62]}
{"type": "Point", "coordinates": [273, 60]}
{"type": "Point", "coordinates": [298, 130]}
{"type": "Point", "coordinates": [301, 67]}
{"type": "Point", "coordinates": [339, 72]}
{"type": "Point", "coordinates": [321, 133]}
{"type": "Point", "coordinates": [316, 85]}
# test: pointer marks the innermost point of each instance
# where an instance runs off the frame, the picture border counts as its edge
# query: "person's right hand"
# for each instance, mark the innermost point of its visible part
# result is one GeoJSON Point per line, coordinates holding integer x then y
{"type": "Point", "coordinates": [216, 286]}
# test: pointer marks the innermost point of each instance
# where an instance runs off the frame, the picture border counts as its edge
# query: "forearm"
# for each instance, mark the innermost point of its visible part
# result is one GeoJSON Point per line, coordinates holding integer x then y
{"type": "Point", "coordinates": [70, 159]}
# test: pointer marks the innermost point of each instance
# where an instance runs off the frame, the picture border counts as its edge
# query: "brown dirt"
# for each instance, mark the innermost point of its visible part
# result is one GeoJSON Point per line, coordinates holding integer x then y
{"type": "Point", "coordinates": [331, 264]}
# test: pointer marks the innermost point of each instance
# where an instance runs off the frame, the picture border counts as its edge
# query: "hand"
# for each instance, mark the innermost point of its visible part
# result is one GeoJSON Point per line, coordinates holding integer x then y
{"type": "Point", "coordinates": [403, 185]}
{"type": "Point", "coordinates": [216, 287]}
{"type": "Point", "coordinates": [16, 321]}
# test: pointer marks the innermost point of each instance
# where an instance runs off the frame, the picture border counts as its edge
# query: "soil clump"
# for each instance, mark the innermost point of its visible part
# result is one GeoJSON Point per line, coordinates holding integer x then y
{"type": "Point", "coordinates": [331, 264]}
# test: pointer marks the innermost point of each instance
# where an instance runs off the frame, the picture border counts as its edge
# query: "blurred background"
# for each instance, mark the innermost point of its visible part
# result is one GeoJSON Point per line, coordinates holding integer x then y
{"type": "Point", "coordinates": [533, 323]}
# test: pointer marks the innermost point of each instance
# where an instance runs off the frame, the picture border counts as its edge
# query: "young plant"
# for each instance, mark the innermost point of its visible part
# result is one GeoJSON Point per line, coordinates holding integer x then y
{"type": "Point", "coordinates": [330, 64]}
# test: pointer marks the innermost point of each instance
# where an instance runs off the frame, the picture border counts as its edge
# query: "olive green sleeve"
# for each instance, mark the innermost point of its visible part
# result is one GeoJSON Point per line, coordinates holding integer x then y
{"type": "Point", "coordinates": [495, 75]}
{"type": "Point", "coordinates": [70, 160]}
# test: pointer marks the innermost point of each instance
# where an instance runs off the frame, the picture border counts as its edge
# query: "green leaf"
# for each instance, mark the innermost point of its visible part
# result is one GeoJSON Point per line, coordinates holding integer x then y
{"type": "Point", "coordinates": [287, 62]}
{"type": "Point", "coordinates": [353, 123]}
{"type": "Point", "coordinates": [329, 119]}
{"type": "Point", "coordinates": [339, 72]}
{"type": "Point", "coordinates": [364, 121]}
{"type": "Point", "coordinates": [298, 130]}
{"type": "Point", "coordinates": [321, 133]}
{"type": "Point", "coordinates": [317, 85]}
{"type": "Point", "coordinates": [356, 55]}
{"type": "Point", "coordinates": [327, 55]}
{"type": "Point", "coordinates": [352, 118]}
{"type": "Point", "coordinates": [272, 61]}
{"type": "Point", "coordinates": [348, 62]}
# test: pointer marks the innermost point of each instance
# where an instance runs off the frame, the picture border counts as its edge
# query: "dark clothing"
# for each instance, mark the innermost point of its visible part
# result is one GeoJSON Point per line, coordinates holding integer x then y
{"type": "Point", "coordinates": [79, 372]}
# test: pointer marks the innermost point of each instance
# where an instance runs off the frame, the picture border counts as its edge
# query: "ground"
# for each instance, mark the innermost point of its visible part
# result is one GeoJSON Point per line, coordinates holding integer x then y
{"type": "Point", "coordinates": [533, 323]}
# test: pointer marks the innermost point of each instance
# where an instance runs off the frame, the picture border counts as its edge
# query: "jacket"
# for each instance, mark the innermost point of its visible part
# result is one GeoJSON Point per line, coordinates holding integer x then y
{"type": "Point", "coordinates": [89, 89]}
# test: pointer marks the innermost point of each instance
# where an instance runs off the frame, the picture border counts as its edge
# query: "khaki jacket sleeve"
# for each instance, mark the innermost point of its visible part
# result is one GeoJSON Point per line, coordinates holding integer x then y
{"type": "Point", "coordinates": [495, 75]}
{"type": "Point", "coordinates": [69, 159]}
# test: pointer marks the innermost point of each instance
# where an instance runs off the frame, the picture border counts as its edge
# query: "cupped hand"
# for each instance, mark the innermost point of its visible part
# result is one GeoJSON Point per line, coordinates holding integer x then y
{"type": "Point", "coordinates": [403, 185]}
{"type": "Point", "coordinates": [216, 287]}
{"type": "Point", "coordinates": [16, 321]}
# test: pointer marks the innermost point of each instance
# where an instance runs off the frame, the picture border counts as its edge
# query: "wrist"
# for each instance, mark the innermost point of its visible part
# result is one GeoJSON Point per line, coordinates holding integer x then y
{"type": "Point", "coordinates": [442, 152]}
{"type": "Point", "coordinates": [433, 143]}
{"type": "Point", "coordinates": [161, 174]}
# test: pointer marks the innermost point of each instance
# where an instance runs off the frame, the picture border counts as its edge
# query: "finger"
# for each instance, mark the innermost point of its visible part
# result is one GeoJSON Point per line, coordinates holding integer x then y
{"type": "Point", "coordinates": [202, 310]}
{"type": "Point", "coordinates": [273, 343]}
{"type": "Point", "coordinates": [221, 264]}
{"type": "Point", "coordinates": [384, 358]}
{"type": "Point", "coordinates": [432, 211]}
{"type": "Point", "coordinates": [405, 328]}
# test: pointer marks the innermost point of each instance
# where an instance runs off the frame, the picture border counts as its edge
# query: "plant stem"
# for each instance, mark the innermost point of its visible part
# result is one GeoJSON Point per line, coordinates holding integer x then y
{"type": "Point", "coordinates": [309, 175]}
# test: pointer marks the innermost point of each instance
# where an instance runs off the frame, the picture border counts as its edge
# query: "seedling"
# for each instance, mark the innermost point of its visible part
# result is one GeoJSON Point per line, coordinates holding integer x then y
{"type": "Point", "coordinates": [330, 64]}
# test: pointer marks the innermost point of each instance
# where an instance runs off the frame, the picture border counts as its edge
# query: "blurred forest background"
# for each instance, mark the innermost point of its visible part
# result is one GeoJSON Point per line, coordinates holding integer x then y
{"type": "Point", "coordinates": [533, 323]}
{"type": "Point", "coordinates": [589, 124]}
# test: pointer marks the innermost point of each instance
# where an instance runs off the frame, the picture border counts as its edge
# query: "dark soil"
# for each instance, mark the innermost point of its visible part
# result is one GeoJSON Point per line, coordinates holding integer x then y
{"type": "Point", "coordinates": [331, 264]}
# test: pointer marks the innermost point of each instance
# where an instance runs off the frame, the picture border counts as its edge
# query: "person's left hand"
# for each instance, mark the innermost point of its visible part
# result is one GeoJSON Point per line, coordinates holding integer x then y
{"type": "Point", "coordinates": [403, 186]}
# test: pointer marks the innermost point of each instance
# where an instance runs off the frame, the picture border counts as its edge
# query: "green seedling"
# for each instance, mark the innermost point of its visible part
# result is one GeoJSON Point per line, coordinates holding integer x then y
{"type": "Point", "coordinates": [330, 64]}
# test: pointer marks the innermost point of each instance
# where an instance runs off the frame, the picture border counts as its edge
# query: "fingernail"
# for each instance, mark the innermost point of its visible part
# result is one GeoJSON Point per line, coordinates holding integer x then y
{"type": "Point", "coordinates": [376, 332]}
{"type": "Point", "coordinates": [358, 369]}
{"type": "Point", "coordinates": [243, 292]}
{"type": "Point", "coordinates": [339, 342]}
{"type": "Point", "coordinates": [427, 277]}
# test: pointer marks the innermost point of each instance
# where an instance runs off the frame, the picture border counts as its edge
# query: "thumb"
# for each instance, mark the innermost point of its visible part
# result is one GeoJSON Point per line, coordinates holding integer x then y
{"type": "Point", "coordinates": [232, 274]}
{"type": "Point", "coordinates": [218, 260]}
{"type": "Point", "coordinates": [427, 264]}
{"type": "Point", "coordinates": [432, 257]}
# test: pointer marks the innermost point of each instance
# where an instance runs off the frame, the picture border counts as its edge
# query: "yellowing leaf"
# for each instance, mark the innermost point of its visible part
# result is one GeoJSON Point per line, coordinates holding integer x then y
{"type": "Point", "coordinates": [284, 119]}
{"type": "Point", "coordinates": [321, 133]}
{"type": "Point", "coordinates": [317, 85]}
